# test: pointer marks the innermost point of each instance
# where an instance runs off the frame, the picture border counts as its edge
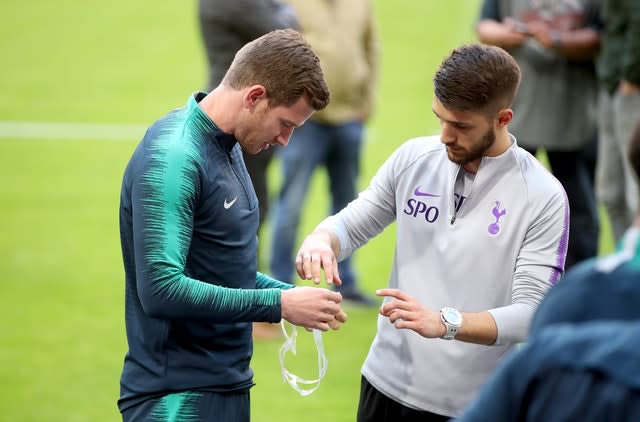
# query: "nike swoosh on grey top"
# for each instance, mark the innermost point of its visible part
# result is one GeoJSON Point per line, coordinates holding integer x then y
{"type": "Point", "coordinates": [417, 192]}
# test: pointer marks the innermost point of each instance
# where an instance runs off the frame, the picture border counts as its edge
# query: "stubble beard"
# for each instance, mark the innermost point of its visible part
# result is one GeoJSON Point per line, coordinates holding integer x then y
{"type": "Point", "coordinates": [477, 151]}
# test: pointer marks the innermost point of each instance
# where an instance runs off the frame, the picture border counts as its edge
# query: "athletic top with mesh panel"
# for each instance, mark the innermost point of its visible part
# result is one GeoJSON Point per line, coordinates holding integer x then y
{"type": "Point", "coordinates": [188, 223]}
{"type": "Point", "coordinates": [498, 245]}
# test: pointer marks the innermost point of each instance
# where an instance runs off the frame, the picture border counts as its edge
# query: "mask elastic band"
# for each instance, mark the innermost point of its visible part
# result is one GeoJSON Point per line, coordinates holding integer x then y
{"type": "Point", "coordinates": [293, 380]}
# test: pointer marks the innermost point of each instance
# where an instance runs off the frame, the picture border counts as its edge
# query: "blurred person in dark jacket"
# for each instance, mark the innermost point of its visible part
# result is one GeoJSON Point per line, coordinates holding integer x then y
{"type": "Point", "coordinates": [226, 26]}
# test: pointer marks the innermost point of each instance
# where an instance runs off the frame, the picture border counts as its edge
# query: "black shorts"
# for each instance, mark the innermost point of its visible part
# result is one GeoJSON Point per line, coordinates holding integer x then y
{"type": "Point", "coordinates": [192, 406]}
{"type": "Point", "coordinates": [376, 407]}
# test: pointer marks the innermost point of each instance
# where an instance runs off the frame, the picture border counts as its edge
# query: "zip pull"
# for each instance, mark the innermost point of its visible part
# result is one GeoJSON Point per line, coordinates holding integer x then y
{"type": "Point", "coordinates": [453, 219]}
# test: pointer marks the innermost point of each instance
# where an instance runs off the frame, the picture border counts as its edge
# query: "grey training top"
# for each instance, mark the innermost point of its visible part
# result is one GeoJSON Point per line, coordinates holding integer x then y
{"type": "Point", "coordinates": [503, 250]}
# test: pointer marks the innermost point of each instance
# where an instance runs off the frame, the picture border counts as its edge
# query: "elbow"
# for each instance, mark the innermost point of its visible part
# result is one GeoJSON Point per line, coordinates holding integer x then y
{"type": "Point", "coordinates": [155, 297]}
{"type": "Point", "coordinates": [512, 323]}
{"type": "Point", "coordinates": [154, 307]}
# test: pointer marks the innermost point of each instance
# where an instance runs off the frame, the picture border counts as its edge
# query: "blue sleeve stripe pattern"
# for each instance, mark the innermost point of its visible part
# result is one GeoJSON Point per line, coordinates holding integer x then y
{"type": "Point", "coordinates": [171, 189]}
{"type": "Point", "coordinates": [168, 214]}
{"type": "Point", "coordinates": [177, 407]}
{"type": "Point", "coordinates": [263, 281]}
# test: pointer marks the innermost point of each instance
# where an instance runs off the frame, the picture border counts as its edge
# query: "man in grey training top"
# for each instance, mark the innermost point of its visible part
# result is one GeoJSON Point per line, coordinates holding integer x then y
{"type": "Point", "coordinates": [482, 230]}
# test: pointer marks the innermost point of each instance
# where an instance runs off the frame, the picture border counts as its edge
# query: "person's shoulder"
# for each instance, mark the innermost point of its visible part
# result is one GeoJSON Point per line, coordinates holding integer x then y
{"type": "Point", "coordinates": [531, 167]}
{"type": "Point", "coordinates": [162, 127]}
{"type": "Point", "coordinates": [590, 344]}
{"type": "Point", "coordinates": [424, 150]}
{"type": "Point", "coordinates": [176, 137]}
{"type": "Point", "coordinates": [551, 343]}
{"type": "Point", "coordinates": [422, 144]}
{"type": "Point", "coordinates": [415, 149]}
{"type": "Point", "coordinates": [538, 179]}
{"type": "Point", "coordinates": [593, 366]}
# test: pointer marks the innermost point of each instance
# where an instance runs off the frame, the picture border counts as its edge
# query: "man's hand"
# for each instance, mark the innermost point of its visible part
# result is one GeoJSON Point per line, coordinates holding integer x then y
{"type": "Point", "coordinates": [317, 253]}
{"type": "Point", "coordinates": [406, 312]}
{"type": "Point", "coordinates": [627, 88]}
{"type": "Point", "coordinates": [312, 307]}
{"type": "Point", "coordinates": [543, 33]}
{"type": "Point", "coordinates": [509, 33]}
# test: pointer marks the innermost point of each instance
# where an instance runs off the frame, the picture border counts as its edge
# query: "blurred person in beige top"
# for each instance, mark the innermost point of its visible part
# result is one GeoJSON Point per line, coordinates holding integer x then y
{"type": "Point", "coordinates": [343, 33]}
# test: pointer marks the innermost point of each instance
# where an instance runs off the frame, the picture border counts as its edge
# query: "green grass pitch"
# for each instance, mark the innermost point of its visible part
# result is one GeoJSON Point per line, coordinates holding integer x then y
{"type": "Point", "coordinates": [62, 336]}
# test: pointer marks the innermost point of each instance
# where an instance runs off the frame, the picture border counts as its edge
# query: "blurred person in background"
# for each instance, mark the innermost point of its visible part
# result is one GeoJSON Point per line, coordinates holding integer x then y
{"type": "Point", "coordinates": [482, 233]}
{"type": "Point", "coordinates": [343, 33]}
{"type": "Point", "coordinates": [226, 26]}
{"type": "Point", "coordinates": [604, 288]}
{"type": "Point", "coordinates": [619, 74]}
{"type": "Point", "coordinates": [188, 221]}
{"type": "Point", "coordinates": [555, 43]}
{"type": "Point", "coordinates": [585, 372]}
{"type": "Point", "coordinates": [582, 362]}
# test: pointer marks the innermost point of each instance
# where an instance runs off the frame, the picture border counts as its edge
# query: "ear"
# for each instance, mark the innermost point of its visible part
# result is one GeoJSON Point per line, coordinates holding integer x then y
{"type": "Point", "coordinates": [504, 116]}
{"type": "Point", "coordinates": [253, 95]}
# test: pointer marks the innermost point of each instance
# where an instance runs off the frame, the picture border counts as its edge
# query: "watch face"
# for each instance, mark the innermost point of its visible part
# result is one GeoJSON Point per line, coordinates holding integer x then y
{"type": "Point", "coordinates": [452, 316]}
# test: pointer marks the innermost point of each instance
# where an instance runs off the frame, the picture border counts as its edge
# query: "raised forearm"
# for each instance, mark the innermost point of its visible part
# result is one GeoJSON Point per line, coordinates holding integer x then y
{"type": "Point", "coordinates": [477, 327]}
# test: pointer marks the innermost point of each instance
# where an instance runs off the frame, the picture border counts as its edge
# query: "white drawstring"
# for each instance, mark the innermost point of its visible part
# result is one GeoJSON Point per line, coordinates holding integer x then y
{"type": "Point", "coordinates": [293, 380]}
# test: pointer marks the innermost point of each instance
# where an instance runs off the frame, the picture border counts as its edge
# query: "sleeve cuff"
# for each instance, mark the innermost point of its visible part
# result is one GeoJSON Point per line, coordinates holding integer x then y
{"type": "Point", "coordinates": [512, 322]}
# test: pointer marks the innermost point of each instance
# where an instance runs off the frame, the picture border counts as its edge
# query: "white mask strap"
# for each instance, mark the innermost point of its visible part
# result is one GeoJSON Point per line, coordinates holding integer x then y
{"type": "Point", "coordinates": [293, 380]}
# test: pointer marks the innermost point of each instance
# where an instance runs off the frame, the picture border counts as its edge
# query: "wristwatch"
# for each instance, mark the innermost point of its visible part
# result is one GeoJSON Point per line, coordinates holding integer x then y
{"type": "Point", "coordinates": [452, 320]}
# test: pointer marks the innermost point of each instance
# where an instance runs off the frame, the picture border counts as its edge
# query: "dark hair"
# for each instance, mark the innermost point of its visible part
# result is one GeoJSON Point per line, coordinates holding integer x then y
{"type": "Point", "coordinates": [284, 63]}
{"type": "Point", "coordinates": [634, 150]}
{"type": "Point", "coordinates": [477, 78]}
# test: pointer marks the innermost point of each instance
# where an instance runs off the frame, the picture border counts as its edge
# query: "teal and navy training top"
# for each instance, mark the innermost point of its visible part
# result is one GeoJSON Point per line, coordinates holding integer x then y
{"type": "Point", "coordinates": [188, 223]}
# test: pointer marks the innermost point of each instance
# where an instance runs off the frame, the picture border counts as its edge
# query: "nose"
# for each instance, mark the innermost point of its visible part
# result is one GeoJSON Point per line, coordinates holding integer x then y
{"type": "Point", "coordinates": [447, 133]}
{"type": "Point", "coordinates": [282, 140]}
{"type": "Point", "coordinates": [283, 136]}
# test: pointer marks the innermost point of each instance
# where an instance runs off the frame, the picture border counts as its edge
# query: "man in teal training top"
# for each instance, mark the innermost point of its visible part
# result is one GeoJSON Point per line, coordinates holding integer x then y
{"type": "Point", "coordinates": [188, 221]}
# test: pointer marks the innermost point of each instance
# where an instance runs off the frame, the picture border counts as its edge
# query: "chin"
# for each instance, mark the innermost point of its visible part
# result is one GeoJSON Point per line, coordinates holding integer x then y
{"type": "Point", "coordinates": [454, 158]}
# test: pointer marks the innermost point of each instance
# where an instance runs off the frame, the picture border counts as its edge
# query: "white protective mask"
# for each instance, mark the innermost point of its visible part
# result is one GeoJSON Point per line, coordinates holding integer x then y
{"type": "Point", "coordinates": [293, 380]}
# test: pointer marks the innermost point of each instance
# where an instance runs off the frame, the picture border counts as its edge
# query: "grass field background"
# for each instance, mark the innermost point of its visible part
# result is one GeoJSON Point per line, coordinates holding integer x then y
{"type": "Point", "coordinates": [61, 286]}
